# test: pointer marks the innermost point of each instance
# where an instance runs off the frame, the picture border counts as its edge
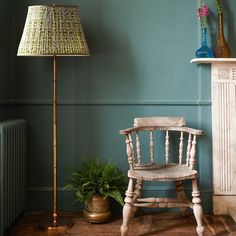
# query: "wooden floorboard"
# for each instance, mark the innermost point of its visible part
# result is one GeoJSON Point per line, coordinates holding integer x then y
{"type": "Point", "coordinates": [164, 224]}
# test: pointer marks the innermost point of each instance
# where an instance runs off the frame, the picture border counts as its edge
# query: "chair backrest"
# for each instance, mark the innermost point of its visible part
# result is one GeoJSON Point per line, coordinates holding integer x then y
{"type": "Point", "coordinates": [167, 136]}
{"type": "Point", "coordinates": [177, 121]}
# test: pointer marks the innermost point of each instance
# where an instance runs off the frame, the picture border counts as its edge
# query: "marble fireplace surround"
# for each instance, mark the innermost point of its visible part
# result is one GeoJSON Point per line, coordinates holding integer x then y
{"type": "Point", "coordinates": [223, 90]}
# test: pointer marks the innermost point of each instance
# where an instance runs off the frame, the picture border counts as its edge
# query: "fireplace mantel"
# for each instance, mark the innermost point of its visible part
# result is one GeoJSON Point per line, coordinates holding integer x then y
{"type": "Point", "coordinates": [223, 93]}
{"type": "Point", "coordinates": [213, 60]}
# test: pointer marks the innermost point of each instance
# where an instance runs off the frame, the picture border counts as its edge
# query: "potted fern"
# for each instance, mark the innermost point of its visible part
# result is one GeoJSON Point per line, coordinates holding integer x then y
{"type": "Point", "coordinates": [94, 183]}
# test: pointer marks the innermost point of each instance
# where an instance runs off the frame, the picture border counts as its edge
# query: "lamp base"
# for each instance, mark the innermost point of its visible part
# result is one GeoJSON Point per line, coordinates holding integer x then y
{"type": "Point", "coordinates": [63, 224]}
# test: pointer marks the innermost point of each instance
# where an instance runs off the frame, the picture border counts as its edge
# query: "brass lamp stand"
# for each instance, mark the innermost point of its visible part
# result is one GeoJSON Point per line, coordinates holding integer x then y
{"type": "Point", "coordinates": [53, 30]}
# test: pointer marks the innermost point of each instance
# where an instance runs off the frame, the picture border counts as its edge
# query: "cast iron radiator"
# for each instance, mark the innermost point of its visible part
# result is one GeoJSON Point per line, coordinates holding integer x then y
{"type": "Point", "coordinates": [12, 171]}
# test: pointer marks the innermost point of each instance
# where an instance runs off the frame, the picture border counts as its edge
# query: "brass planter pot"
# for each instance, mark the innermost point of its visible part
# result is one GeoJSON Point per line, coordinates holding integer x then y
{"type": "Point", "coordinates": [97, 209]}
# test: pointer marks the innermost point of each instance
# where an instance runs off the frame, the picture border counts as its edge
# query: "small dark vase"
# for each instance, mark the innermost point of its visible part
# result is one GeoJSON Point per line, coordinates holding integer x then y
{"type": "Point", "coordinates": [222, 48]}
{"type": "Point", "coordinates": [204, 51]}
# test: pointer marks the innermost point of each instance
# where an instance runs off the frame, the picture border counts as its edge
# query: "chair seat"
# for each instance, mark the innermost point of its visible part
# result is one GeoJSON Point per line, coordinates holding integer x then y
{"type": "Point", "coordinates": [162, 172]}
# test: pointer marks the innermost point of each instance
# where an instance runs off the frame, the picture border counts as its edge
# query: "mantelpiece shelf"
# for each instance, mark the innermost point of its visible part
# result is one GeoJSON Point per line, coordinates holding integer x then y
{"type": "Point", "coordinates": [212, 60]}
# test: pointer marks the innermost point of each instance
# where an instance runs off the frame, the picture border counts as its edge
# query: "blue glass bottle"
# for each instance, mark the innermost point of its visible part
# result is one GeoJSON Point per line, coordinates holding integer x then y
{"type": "Point", "coordinates": [204, 51]}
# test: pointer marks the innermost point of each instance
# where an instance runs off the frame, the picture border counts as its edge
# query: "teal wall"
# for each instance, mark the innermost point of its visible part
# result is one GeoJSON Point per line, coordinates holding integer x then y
{"type": "Point", "coordinates": [139, 66]}
{"type": "Point", "coordinates": [6, 9]}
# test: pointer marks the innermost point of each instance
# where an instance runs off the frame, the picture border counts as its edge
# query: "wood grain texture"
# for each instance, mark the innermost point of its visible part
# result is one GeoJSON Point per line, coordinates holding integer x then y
{"type": "Point", "coordinates": [164, 224]}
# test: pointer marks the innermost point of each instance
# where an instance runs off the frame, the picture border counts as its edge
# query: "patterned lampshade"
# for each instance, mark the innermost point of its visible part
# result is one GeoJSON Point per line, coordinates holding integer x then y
{"type": "Point", "coordinates": [53, 30]}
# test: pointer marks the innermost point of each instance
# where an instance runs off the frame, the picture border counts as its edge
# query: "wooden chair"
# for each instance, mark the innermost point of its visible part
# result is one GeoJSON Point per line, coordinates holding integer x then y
{"type": "Point", "coordinates": [161, 131]}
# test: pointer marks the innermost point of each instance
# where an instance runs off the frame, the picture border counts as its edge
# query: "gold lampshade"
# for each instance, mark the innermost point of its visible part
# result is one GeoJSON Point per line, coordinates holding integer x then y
{"type": "Point", "coordinates": [53, 30]}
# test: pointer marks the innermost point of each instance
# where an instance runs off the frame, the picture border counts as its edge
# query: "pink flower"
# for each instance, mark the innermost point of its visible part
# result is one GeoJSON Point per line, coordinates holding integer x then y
{"type": "Point", "coordinates": [205, 10]}
{"type": "Point", "coordinates": [199, 13]}
{"type": "Point", "coordinates": [202, 13]}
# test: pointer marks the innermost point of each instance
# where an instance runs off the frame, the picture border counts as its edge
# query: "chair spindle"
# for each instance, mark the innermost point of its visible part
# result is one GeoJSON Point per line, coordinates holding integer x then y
{"type": "Point", "coordinates": [129, 152]}
{"type": "Point", "coordinates": [138, 149]}
{"type": "Point", "coordinates": [151, 147]}
{"type": "Point", "coordinates": [167, 147]}
{"type": "Point", "coordinates": [181, 147]}
{"type": "Point", "coordinates": [132, 147]}
{"type": "Point", "coordinates": [193, 152]}
{"type": "Point", "coordinates": [188, 150]}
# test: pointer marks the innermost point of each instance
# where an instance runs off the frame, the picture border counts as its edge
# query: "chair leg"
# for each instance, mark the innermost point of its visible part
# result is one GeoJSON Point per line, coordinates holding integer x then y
{"type": "Point", "coordinates": [137, 193]}
{"type": "Point", "coordinates": [197, 208]}
{"type": "Point", "coordinates": [181, 195]}
{"type": "Point", "coordinates": [127, 209]}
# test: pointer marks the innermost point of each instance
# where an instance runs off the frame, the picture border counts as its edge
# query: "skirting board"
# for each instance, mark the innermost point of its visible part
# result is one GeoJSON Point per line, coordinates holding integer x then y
{"type": "Point", "coordinates": [223, 205]}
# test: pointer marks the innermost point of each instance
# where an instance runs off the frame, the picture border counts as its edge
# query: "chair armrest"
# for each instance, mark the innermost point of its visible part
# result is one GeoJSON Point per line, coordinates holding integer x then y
{"type": "Point", "coordinates": [128, 130]}
{"type": "Point", "coordinates": [171, 128]}
{"type": "Point", "coordinates": [185, 129]}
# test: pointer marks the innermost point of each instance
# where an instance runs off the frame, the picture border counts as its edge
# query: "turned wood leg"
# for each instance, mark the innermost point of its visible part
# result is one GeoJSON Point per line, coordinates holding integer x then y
{"type": "Point", "coordinates": [137, 193]}
{"type": "Point", "coordinates": [181, 195]}
{"type": "Point", "coordinates": [127, 209]}
{"type": "Point", "coordinates": [197, 208]}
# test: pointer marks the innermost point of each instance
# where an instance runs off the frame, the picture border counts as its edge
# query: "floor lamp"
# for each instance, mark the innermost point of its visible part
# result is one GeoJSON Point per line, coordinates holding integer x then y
{"type": "Point", "coordinates": [53, 30]}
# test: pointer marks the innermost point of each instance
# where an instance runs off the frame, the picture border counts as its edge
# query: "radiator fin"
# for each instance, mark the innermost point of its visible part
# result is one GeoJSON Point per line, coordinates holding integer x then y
{"type": "Point", "coordinates": [12, 171]}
